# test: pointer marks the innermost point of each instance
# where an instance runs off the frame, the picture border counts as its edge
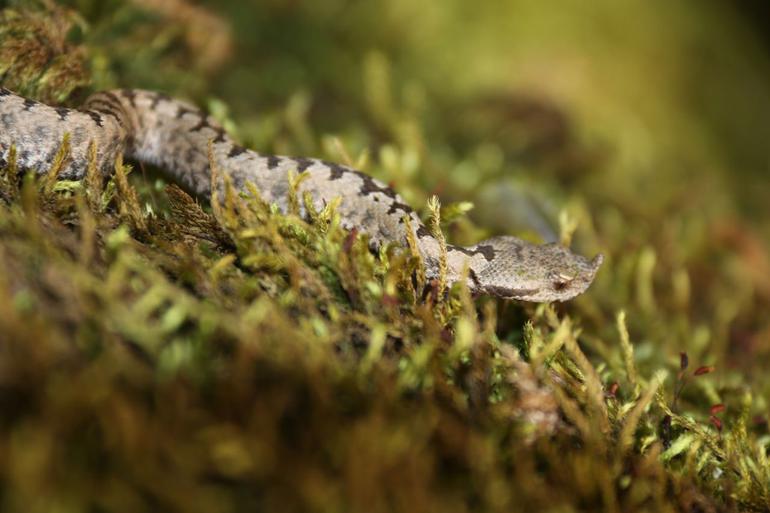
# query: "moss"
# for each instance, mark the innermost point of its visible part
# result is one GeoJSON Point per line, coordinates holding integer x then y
{"type": "Point", "coordinates": [158, 354]}
{"type": "Point", "coordinates": [36, 59]}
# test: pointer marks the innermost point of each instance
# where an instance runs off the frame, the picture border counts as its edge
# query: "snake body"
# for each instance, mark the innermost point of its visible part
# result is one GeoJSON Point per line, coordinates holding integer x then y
{"type": "Point", "coordinates": [151, 127]}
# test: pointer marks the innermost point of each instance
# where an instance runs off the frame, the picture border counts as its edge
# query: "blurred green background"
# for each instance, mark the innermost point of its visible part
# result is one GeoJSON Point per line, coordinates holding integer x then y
{"type": "Point", "coordinates": [645, 120]}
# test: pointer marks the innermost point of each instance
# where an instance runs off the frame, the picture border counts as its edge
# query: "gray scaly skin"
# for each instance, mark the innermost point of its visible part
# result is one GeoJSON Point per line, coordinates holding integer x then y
{"type": "Point", "coordinates": [174, 135]}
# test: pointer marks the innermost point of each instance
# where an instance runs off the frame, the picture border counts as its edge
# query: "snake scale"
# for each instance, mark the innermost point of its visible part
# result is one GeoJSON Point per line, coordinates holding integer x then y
{"type": "Point", "coordinates": [174, 135]}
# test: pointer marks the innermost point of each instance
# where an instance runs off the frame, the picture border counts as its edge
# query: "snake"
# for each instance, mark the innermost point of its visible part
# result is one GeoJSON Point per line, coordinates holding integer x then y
{"type": "Point", "coordinates": [184, 142]}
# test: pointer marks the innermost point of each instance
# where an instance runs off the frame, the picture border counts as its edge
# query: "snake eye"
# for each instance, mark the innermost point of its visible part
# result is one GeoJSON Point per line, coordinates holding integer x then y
{"type": "Point", "coordinates": [562, 281]}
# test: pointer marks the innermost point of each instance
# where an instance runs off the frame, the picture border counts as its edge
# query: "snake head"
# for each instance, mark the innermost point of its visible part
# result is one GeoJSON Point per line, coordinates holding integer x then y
{"type": "Point", "coordinates": [531, 272]}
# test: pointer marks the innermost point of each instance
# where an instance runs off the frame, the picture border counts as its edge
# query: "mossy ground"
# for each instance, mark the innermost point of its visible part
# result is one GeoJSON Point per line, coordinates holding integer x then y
{"type": "Point", "coordinates": [160, 355]}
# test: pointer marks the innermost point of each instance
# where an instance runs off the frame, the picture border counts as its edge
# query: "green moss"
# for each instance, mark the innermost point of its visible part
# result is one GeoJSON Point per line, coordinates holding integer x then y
{"type": "Point", "coordinates": [35, 57]}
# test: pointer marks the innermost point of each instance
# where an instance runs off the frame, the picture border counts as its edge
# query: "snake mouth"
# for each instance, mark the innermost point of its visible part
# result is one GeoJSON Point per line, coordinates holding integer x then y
{"type": "Point", "coordinates": [506, 293]}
